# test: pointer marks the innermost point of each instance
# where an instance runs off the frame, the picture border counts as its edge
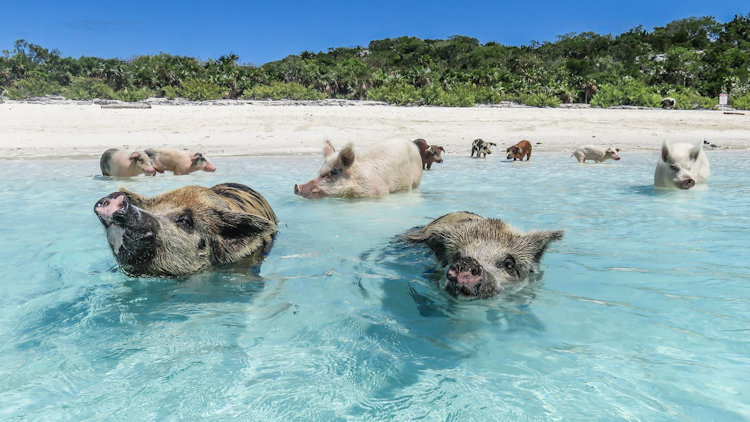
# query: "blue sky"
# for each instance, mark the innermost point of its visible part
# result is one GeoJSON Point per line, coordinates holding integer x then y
{"type": "Point", "coordinates": [262, 31]}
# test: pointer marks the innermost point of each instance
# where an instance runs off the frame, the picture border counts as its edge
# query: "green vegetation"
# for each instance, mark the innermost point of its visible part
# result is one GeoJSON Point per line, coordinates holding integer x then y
{"type": "Point", "coordinates": [692, 60]}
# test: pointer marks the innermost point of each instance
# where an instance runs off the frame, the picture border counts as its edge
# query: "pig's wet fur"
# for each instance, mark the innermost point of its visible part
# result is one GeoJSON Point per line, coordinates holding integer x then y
{"type": "Point", "coordinates": [186, 230]}
{"type": "Point", "coordinates": [483, 256]}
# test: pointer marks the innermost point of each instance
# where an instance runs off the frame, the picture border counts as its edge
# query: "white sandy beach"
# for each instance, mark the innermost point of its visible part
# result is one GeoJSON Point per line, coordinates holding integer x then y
{"type": "Point", "coordinates": [67, 129]}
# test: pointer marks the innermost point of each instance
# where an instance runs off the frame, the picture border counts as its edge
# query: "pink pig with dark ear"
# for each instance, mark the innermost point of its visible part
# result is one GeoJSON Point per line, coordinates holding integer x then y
{"type": "Point", "coordinates": [179, 162]}
{"type": "Point", "coordinates": [368, 172]}
{"type": "Point", "coordinates": [121, 163]}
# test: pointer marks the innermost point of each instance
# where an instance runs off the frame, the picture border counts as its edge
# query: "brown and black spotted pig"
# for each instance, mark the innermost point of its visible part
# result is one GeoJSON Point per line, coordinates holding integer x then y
{"type": "Point", "coordinates": [186, 230]}
{"type": "Point", "coordinates": [430, 153]}
{"type": "Point", "coordinates": [484, 256]}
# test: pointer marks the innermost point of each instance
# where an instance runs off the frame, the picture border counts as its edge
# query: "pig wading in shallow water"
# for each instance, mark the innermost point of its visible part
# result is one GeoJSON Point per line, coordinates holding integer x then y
{"type": "Point", "coordinates": [595, 154]}
{"type": "Point", "coordinates": [430, 153]}
{"type": "Point", "coordinates": [681, 165]}
{"type": "Point", "coordinates": [186, 230]}
{"type": "Point", "coordinates": [483, 255]}
{"type": "Point", "coordinates": [353, 173]}
{"type": "Point", "coordinates": [179, 162]}
{"type": "Point", "coordinates": [121, 163]}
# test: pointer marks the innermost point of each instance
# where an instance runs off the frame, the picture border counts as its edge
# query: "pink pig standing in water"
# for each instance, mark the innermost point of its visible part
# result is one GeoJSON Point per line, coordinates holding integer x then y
{"type": "Point", "coordinates": [179, 162]}
{"type": "Point", "coordinates": [389, 167]}
{"type": "Point", "coordinates": [121, 163]}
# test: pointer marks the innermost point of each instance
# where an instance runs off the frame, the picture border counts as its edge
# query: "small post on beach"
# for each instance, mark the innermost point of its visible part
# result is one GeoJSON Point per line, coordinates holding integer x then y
{"type": "Point", "coordinates": [723, 101]}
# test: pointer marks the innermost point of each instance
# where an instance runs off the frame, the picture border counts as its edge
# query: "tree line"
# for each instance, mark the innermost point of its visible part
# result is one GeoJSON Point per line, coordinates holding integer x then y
{"type": "Point", "coordinates": [692, 60]}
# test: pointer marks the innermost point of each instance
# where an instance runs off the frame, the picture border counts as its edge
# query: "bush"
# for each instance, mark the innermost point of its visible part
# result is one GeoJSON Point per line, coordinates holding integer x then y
{"type": "Point", "coordinates": [171, 92]}
{"type": "Point", "coordinates": [32, 87]}
{"type": "Point", "coordinates": [540, 99]}
{"type": "Point", "coordinates": [82, 88]}
{"type": "Point", "coordinates": [132, 95]}
{"type": "Point", "coordinates": [741, 102]}
{"type": "Point", "coordinates": [398, 93]}
{"type": "Point", "coordinates": [630, 93]}
{"type": "Point", "coordinates": [200, 90]}
{"type": "Point", "coordinates": [282, 91]}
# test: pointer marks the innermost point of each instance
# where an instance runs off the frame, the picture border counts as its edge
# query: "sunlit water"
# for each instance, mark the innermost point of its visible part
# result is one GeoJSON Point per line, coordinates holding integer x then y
{"type": "Point", "coordinates": [642, 313]}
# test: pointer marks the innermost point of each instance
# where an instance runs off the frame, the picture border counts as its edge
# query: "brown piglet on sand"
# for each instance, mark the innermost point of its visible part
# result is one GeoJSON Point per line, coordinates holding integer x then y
{"type": "Point", "coordinates": [519, 150]}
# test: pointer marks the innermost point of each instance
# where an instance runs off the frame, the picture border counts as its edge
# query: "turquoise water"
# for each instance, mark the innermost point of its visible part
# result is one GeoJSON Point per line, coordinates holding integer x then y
{"type": "Point", "coordinates": [641, 314]}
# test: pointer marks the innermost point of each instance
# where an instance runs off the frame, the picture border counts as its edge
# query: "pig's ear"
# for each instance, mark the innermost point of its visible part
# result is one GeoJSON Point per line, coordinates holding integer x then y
{"type": "Point", "coordinates": [696, 151]}
{"type": "Point", "coordinates": [346, 156]}
{"type": "Point", "coordinates": [134, 198]}
{"type": "Point", "coordinates": [665, 151]}
{"type": "Point", "coordinates": [328, 149]}
{"type": "Point", "coordinates": [135, 155]}
{"type": "Point", "coordinates": [617, 149]}
{"type": "Point", "coordinates": [539, 240]}
{"type": "Point", "coordinates": [238, 231]}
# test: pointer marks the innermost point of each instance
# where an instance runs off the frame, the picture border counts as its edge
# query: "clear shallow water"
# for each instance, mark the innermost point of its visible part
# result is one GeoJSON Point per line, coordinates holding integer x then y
{"type": "Point", "coordinates": [641, 314]}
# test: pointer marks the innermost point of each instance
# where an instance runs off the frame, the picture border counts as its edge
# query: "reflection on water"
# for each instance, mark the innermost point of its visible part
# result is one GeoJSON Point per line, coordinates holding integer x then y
{"type": "Point", "coordinates": [641, 312]}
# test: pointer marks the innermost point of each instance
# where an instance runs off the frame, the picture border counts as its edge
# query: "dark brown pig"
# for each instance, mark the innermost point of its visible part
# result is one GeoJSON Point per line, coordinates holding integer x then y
{"type": "Point", "coordinates": [430, 153]}
{"type": "Point", "coordinates": [483, 255]}
{"type": "Point", "coordinates": [186, 230]}
{"type": "Point", "coordinates": [519, 150]}
{"type": "Point", "coordinates": [388, 167]}
{"type": "Point", "coordinates": [179, 162]}
{"type": "Point", "coordinates": [120, 163]}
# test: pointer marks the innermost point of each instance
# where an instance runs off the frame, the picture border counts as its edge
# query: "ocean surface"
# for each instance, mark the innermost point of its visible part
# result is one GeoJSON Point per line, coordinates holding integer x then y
{"type": "Point", "coordinates": [642, 312]}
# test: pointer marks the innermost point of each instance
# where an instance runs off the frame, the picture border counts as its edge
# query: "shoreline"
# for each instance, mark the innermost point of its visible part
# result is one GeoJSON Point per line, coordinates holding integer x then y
{"type": "Point", "coordinates": [52, 128]}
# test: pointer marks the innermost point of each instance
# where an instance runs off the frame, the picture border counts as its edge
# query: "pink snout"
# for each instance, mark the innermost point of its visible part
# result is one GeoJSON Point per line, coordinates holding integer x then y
{"type": "Point", "coordinates": [149, 171]}
{"type": "Point", "coordinates": [106, 207]}
{"type": "Point", "coordinates": [308, 190]}
{"type": "Point", "coordinates": [209, 167]}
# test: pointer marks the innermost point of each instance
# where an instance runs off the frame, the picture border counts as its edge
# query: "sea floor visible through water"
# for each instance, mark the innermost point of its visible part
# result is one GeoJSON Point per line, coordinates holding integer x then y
{"type": "Point", "coordinates": [642, 311]}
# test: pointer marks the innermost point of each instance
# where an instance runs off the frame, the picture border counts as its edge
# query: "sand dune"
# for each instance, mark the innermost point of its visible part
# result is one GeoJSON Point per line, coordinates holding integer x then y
{"type": "Point", "coordinates": [69, 129]}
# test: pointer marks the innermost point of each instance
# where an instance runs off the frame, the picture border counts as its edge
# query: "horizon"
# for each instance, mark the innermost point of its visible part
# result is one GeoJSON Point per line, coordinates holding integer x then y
{"type": "Point", "coordinates": [80, 28]}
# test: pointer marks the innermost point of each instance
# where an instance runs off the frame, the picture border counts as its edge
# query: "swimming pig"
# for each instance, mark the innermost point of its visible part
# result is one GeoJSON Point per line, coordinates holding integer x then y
{"type": "Point", "coordinates": [483, 255]}
{"type": "Point", "coordinates": [681, 165]}
{"type": "Point", "coordinates": [186, 230]}
{"type": "Point", "coordinates": [430, 153]}
{"type": "Point", "coordinates": [121, 163]}
{"type": "Point", "coordinates": [179, 162]}
{"type": "Point", "coordinates": [389, 167]}
{"type": "Point", "coordinates": [519, 150]}
{"type": "Point", "coordinates": [479, 146]}
{"type": "Point", "coordinates": [591, 152]}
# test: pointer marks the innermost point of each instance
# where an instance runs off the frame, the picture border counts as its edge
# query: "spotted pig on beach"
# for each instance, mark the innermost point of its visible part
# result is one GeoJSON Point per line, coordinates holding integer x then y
{"type": "Point", "coordinates": [186, 230]}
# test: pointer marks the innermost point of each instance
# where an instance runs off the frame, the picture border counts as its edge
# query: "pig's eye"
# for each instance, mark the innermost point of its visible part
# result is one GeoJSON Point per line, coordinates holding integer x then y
{"type": "Point", "coordinates": [185, 222]}
{"type": "Point", "coordinates": [674, 167]}
{"type": "Point", "coordinates": [335, 172]}
{"type": "Point", "coordinates": [508, 264]}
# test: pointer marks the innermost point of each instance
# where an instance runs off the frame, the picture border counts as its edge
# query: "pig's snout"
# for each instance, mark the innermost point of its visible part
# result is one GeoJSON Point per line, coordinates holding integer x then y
{"type": "Point", "coordinates": [308, 190]}
{"type": "Point", "coordinates": [150, 171]}
{"type": "Point", "coordinates": [112, 208]}
{"type": "Point", "coordinates": [209, 167]}
{"type": "Point", "coordinates": [686, 183]}
{"type": "Point", "coordinates": [465, 275]}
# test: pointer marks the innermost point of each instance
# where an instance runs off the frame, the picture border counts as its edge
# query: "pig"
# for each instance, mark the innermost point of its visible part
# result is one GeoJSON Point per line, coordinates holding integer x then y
{"type": "Point", "coordinates": [186, 230]}
{"type": "Point", "coordinates": [681, 165]}
{"type": "Point", "coordinates": [120, 163]}
{"type": "Point", "coordinates": [591, 152]}
{"type": "Point", "coordinates": [519, 150]}
{"type": "Point", "coordinates": [179, 162]}
{"type": "Point", "coordinates": [483, 256]}
{"type": "Point", "coordinates": [430, 153]}
{"type": "Point", "coordinates": [479, 146]}
{"type": "Point", "coordinates": [391, 167]}
{"type": "Point", "coordinates": [668, 102]}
